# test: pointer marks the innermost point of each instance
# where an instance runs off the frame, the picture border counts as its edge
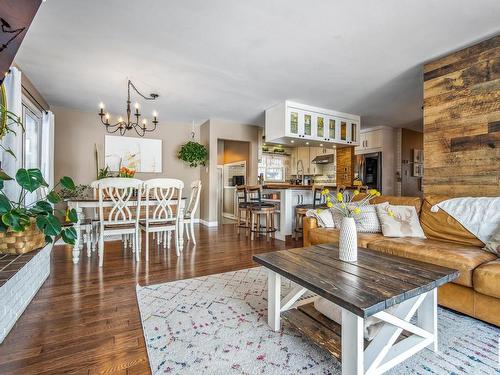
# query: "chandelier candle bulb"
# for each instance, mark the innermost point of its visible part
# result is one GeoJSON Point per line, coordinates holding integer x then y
{"type": "Point", "coordinates": [133, 119]}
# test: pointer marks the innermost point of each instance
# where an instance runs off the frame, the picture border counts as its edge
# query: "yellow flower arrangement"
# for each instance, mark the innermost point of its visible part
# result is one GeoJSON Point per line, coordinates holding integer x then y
{"type": "Point", "coordinates": [345, 204]}
{"type": "Point", "coordinates": [390, 213]}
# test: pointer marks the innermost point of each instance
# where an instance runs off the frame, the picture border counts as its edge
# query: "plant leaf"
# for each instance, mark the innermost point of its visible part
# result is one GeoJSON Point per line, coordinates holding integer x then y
{"type": "Point", "coordinates": [53, 197]}
{"type": "Point", "coordinates": [13, 221]}
{"type": "Point", "coordinates": [72, 215]}
{"type": "Point", "coordinates": [69, 235]}
{"type": "Point", "coordinates": [67, 183]}
{"type": "Point", "coordinates": [5, 205]}
{"type": "Point", "coordinates": [4, 176]}
{"type": "Point", "coordinates": [45, 206]}
{"type": "Point", "coordinates": [30, 179]}
{"type": "Point", "coordinates": [49, 225]}
{"type": "Point", "coordinates": [48, 239]}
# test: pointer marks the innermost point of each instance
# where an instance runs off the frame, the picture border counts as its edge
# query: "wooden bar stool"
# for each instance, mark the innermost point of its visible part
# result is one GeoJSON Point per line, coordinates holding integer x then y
{"type": "Point", "coordinates": [301, 209]}
{"type": "Point", "coordinates": [242, 208]}
{"type": "Point", "coordinates": [258, 208]}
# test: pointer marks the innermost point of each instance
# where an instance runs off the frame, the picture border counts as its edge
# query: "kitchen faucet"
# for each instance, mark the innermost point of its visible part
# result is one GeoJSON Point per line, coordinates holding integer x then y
{"type": "Point", "coordinates": [300, 171]}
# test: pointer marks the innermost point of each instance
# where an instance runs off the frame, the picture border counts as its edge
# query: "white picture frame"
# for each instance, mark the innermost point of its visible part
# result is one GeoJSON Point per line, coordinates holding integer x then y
{"type": "Point", "coordinates": [139, 154]}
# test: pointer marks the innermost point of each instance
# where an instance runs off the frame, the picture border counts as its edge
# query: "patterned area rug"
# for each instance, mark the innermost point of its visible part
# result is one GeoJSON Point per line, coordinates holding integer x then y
{"type": "Point", "coordinates": [217, 325]}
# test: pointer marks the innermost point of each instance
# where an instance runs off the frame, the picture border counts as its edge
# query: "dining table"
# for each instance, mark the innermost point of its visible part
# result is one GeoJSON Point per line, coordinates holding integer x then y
{"type": "Point", "coordinates": [80, 203]}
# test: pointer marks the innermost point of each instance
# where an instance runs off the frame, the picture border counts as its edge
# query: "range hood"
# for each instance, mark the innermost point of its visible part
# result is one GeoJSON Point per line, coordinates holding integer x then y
{"type": "Point", "coordinates": [324, 159]}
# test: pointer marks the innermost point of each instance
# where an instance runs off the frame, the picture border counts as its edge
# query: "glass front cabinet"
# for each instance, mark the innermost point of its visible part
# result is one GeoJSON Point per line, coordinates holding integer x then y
{"type": "Point", "coordinates": [309, 124]}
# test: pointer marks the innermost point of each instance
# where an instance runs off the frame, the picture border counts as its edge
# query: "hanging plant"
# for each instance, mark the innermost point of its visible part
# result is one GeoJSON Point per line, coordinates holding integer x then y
{"type": "Point", "coordinates": [193, 153]}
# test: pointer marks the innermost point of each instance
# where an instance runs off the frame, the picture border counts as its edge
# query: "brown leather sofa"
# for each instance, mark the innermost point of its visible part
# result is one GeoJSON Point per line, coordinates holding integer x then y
{"type": "Point", "coordinates": [476, 292]}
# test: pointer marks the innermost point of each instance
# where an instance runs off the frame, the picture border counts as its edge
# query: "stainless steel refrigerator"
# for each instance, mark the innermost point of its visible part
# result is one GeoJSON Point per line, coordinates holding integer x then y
{"type": "Point", "coordinates": [368, 169]}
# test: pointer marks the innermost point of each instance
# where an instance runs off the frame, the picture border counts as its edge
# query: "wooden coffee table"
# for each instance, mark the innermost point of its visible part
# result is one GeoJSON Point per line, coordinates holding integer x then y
{"type": "Point", "coordinates": [365, 288]}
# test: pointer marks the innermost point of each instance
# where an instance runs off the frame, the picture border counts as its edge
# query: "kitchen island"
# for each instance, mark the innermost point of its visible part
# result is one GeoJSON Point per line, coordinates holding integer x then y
{"type": "Point", "coordinates": [286, 197]}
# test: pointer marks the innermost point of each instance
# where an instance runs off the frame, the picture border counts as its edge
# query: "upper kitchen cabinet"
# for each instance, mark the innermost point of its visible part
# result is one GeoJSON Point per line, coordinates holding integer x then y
{"type": "Point", "coordinates": [375, 140]}
{"type": "Point", "coordinates": [294, 123]}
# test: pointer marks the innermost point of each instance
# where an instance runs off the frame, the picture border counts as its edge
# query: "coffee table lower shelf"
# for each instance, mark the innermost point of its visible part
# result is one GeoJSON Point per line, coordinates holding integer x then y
{"type": "Point", "coordinates": [321, 330]}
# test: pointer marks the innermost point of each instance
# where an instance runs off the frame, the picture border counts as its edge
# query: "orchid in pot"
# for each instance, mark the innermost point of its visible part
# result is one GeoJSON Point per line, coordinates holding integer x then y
{"type": "Point", "coordinates": [348, 207]}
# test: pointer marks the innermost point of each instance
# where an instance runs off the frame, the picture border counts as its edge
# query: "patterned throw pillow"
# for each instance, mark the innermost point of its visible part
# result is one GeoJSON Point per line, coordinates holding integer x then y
{"type": "Point", "coordinates": [323, 217]}
{"type": "Point", "coordinates": [366, 222]}
{"type": "Point", "coordinates": [493, 245]}
{"type": "Point", "coordinates": [399, 221]}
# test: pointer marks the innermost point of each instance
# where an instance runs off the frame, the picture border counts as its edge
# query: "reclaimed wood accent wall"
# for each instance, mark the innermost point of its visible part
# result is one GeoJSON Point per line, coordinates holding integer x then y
{"type": "Point", "coordinates": [345, 166]}
{"type": "Point", "coordinates": [462, 122]}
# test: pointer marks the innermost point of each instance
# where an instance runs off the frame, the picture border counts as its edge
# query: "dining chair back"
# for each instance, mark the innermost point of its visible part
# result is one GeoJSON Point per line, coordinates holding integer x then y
{"type": "Point", "coordinates": [191, 208]}
{"type": "Point", "coordinates": [163, 201]}
{"type": "Point", "coordinates": [123, 215]}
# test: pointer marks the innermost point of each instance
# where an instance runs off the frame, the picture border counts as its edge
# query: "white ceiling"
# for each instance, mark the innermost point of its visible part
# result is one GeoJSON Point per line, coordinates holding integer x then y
{"type": "Point", "coordinates": [232, 59]}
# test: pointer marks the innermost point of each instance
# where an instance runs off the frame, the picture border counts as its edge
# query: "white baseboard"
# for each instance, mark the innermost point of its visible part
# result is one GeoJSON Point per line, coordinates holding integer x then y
{"type": "Point", "coordinates": [208, 223]}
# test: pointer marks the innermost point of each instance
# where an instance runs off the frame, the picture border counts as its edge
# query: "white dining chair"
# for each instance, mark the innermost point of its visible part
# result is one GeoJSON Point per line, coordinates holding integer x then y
{"type": "Point", "coordinates": [124, 212]}
{"type": "Point", "coordinates": [163, 199]}
{"type": "Point", "coordinates": [190, 211]}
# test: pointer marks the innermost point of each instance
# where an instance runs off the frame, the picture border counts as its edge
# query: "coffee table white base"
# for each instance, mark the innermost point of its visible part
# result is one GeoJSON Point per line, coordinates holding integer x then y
{"type": "Point", "coordinates": [383, 352]}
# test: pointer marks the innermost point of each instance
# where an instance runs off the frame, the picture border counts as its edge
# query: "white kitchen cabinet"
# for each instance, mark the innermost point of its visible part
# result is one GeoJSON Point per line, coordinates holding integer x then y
{"type": "Point", "coordinates": [372, 140]}
{"type": "Point", "coordinates": [313, 152]}
{"type": "Point", "coordinates": [304, 155]}
{"type": "Point", "coordinates": [295, 123]}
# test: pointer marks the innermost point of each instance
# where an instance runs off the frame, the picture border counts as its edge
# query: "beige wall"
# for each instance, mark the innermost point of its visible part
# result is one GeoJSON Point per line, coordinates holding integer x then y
{"type": "Point", "coordinates": [210, 132]}
{"type": "Point", "coordinates": [77, 132]}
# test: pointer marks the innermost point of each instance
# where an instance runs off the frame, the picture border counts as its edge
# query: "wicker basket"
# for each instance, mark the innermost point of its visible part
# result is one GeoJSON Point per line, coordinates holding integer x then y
{"type": "Point", "coordinates": [22, 242]}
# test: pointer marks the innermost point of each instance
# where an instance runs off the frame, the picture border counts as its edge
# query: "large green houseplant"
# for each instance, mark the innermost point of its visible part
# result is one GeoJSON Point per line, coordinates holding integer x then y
{"type": "Point", "coordinates": [193, 153]}
{"type": "Point", "coordinates": [17, 215]}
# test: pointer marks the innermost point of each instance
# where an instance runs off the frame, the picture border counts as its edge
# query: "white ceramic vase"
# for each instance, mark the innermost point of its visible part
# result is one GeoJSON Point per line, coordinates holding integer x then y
{"type": "Point", "coordinates": [348, 240]}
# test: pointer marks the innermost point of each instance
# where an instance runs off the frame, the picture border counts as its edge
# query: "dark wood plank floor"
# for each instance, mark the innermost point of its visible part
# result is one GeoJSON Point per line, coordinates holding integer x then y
{"type": "Point", "coordinates": [85, 320]}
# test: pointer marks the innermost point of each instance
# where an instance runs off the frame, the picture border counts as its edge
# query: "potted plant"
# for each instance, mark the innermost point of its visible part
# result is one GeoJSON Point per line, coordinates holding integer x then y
{"type": "Point", "coordinates": [348, 208]}
{"type": "Point", "coordinates": [25, 227]}
{"type": "Point", "coordinates": [193, 153]}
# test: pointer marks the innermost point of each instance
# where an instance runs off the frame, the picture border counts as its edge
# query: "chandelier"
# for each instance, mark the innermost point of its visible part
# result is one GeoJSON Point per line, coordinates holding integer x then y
{"type": "Point", "coordinates": [122, 126]}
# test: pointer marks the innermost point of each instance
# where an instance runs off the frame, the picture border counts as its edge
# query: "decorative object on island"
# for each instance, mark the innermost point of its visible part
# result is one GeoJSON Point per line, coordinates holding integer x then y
{"type": "Point", "coordinates": [348, 207]}
{"type": "Point", "coordinates": [122, 126]}
{"type": "Point", "coordinates": [193, 153]}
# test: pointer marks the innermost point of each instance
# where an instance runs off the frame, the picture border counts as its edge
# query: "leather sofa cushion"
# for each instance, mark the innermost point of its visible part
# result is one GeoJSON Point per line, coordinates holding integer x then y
{"type": "Point", "coordinates": [331, 235]}
{"type": "Point", "coordinates": [463, 258]}
{"type": "Point", "coordinates": [487, 279]}
{"type": "Point", "coordinates": [395, 201]}
{"type": "Point", "coordinates": [441, 226]}
{"type": "Point", "coordinates": [487, 308]}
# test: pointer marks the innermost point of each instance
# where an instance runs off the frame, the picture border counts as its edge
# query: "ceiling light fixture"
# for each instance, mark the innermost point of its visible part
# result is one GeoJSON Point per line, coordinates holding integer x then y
{"type": "Point", "coordinates": [121, 126]}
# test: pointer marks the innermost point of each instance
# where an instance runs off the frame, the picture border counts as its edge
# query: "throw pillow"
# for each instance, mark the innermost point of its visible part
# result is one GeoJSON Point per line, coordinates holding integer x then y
{"type": "Point", "coordinates": [366, 221]}
{"type": "Point", "coordinates": [399, 221]}
{"type": "Point", "coordinates": [493, 245]}
{"type": "Point", "coordinates": [323, 217]}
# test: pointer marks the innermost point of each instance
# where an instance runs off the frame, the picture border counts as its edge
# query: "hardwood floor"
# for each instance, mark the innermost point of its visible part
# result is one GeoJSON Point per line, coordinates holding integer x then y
{"type": "Point", "coordinates": [85, 320]}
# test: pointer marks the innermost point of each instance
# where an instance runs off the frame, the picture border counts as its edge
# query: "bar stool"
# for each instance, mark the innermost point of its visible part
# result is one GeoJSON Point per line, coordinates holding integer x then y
{"type": "Point", "coordinates": [242, 208]}
{"type": "Point", "coordinates": [301, 209]}
{"type": "Point", "coordinates": [258, 208]}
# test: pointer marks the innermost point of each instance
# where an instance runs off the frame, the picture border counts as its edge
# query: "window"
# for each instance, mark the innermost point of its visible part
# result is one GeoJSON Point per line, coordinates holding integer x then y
{"type": "Point", "coordinates": [32, 140]}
